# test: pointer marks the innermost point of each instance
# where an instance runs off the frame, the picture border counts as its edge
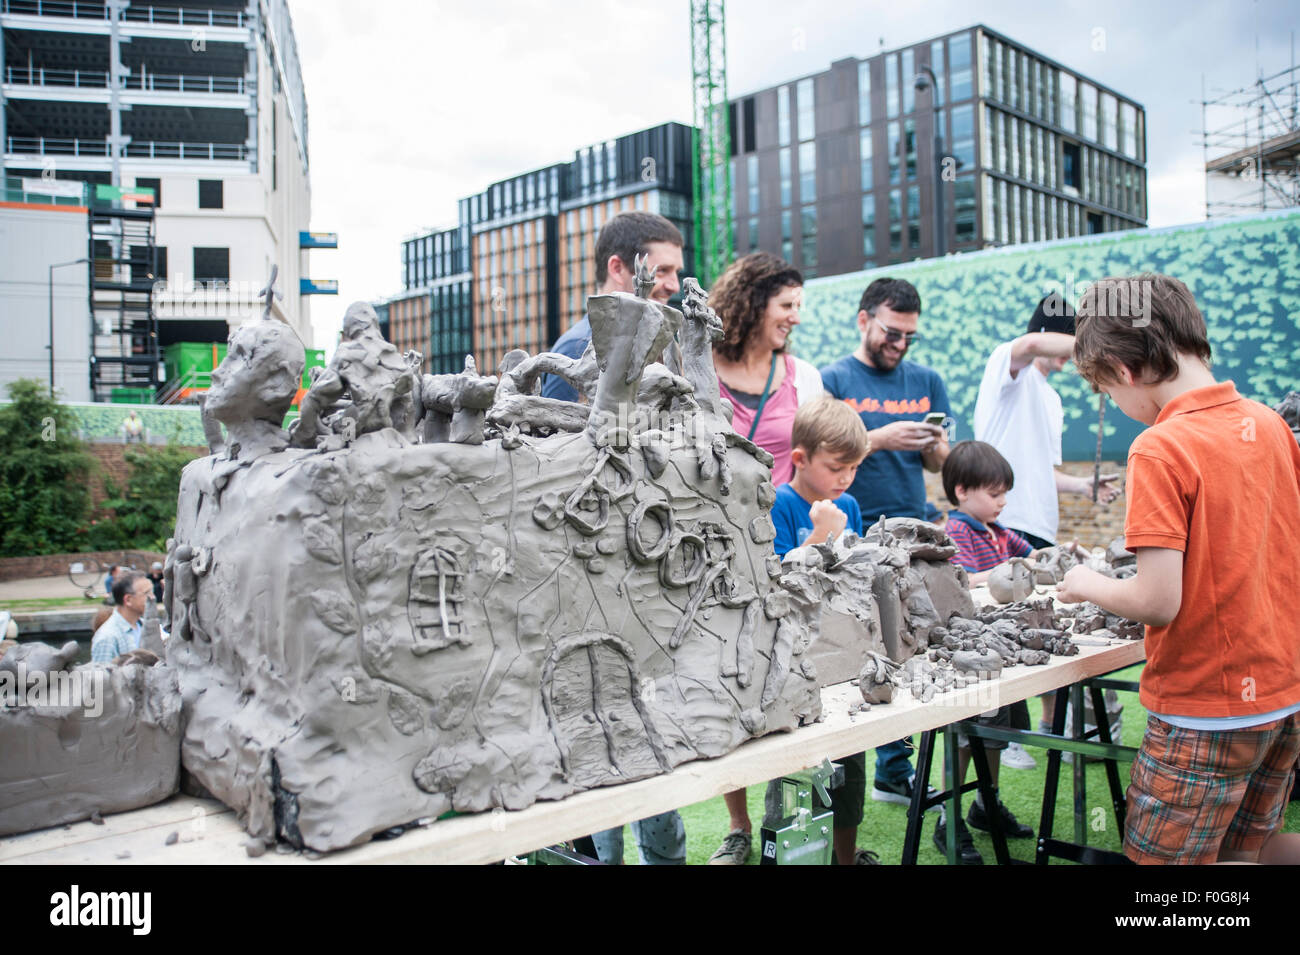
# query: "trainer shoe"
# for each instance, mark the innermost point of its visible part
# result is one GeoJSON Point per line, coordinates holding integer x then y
{"type": "Point", "coordinates": [1012, 827]}
{"type": "Point", "coordinates": [1015, 757]}
{"type": "Point", "coordinates": [734, 849]}
{"type": "Point", "coordinates": [967, 854]}
{"type": "Point", "coordinates": [865, 857]}
{"type": "Point", "coordinates": [900, 793]}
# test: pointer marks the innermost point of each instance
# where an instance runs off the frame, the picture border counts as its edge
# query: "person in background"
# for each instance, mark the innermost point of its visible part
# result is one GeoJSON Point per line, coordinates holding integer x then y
{"type": "Point", "coordinates": [156, 578]}
{"type": "Point", "coordinates": [976, 479]}
{"type": "Point", "coordinates": [121, 632]}
{"type": "Point", "coordinates": [893, 397]}
{"type": "Point", "coordinates": [108, 583]}
{"type": "Point", "coordinates": [619, 242]}
{"type": "Point", "coordinates": [758, 299]}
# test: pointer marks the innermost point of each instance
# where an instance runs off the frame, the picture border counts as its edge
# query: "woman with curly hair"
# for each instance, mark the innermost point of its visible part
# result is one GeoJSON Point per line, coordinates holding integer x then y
{"type": "Point", "coordinates": [758, 299]}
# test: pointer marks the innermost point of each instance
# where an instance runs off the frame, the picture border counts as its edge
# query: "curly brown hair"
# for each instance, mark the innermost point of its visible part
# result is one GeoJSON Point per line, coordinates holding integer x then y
{"type": "Point", "coordinates": [740, 297]}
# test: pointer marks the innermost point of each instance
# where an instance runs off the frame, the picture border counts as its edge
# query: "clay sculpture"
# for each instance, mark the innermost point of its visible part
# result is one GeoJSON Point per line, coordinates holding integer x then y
{"type": "Point", "coordinates": [382, 622]}
{"type": "Point", "coordinates": [86, 740]}
{"type": "Point", "coordinates": [1013, 580]}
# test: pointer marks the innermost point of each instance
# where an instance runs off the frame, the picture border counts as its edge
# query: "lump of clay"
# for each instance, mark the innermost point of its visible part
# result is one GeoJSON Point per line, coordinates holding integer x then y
{"type": "Point", "coordinates": [987, 663]}
{"type": "Point", "coordinates": [874, 680]}
{"type": "Point", "coordinates": [1011, 581]}
{"type": "Point", "coordinates": [90, 740]}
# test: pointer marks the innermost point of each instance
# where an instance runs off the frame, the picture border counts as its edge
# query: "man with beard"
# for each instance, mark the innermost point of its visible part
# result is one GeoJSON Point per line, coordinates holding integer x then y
{"type": "Point", "coordinates": [893, 396]}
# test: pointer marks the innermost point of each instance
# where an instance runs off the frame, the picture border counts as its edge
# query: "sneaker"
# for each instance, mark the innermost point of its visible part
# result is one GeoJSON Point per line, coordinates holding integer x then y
{"type": "Point", "coordinates": [1015, 757]}
{"type": "Point", "coordinates": [1012, 827]}
{"type": "Point", "coordinates": [900, 793]}
{"type": "Point", "coordinates": [734, 849]}
{"type": "Point", "coordinates": [865, 857]}
{"type": "Point", "coordinates": [967, 854]}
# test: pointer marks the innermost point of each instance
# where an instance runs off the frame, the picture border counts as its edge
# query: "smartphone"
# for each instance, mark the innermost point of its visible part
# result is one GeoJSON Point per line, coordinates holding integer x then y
{"type": "Point", "coordinates": [936, 418]}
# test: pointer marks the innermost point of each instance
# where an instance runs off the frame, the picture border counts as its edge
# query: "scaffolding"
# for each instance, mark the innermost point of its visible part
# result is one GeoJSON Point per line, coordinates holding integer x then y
{"type": "Point", "coordinates": [124, 351]}
{"type": "Point", "coordinates": [712, 180]}
{"type": "Point", "coordinates": [1250, 139]}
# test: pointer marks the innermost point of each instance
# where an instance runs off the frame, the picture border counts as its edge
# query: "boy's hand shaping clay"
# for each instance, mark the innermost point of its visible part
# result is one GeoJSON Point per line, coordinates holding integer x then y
{"type": "Point", "coordinates": [1076, 587]}
{"type": "Point", "coordinates": [828, 521]}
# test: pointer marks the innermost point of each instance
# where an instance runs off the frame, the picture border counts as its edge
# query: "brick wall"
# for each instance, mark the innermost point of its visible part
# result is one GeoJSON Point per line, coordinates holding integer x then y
{"type": "Point", "coordinates": [56, 565]}
{"type": "Point", "coordinates": [1092, 525]}
{"type": "Point", "coordinates": [113, 466]}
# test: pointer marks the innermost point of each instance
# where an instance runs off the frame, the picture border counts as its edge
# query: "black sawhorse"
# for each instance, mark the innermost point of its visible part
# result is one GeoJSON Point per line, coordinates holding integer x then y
{"type": "Point", "coordinates": [1096, 743]}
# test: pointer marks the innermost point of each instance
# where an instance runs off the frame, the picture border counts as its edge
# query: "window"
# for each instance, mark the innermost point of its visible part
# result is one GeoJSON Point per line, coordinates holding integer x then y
{"type": "Point", "coordinates": [784, 156]}
{"type": "Point", "coordinates": [909, 143]}
{"type": "Point", "coordinates": [807, 109]}
{"type": "Point", "coordinates": [963, 136]}
{"type": "Point", "coordinates": [1069, 102]}
{"type": "Point", "coordinates": [1109, 120]}
{"type": "Point", "coordinates": [747, 122]}
{"type": "Point", "coordinates": [751, 175]}
{"type": "Point", "coordinates": [869, 229]}
{"type": "Point", "coordinates": [787, 246]}
{"type": "Point", "coordinates": [867, 171]}
{"type": "Point", "coordinates": [936, 64]}
{"type": "Point", "coordinates": [909, 87]}
{"type": "Point", "coordinates": [753, 234]}
{"type": "Point", "coordinates": [914, 217]}
{"type": "Point", "coordinates": [891, 85]}
{"type": "Point", "coordinates": [211, 194]}
{"type": "Point", "coordinates": [895, 220]}
{"type": "Point", "coordinates": [211, 265]}
{"type": "Point", "coordinates": [155, 185]}
{"type": "Point", "coordinates": [1070, 170]}
{"type": "Point", "coordinates": [783, 116]}
{"type": "Point", "coordinates": [1128, 130]}
{"type": "Point", "coordinates": [808, 232]}
{"type": "Point", "coordinates": [1094, 223]}
{"type": "Point", "coordinates": [964, 205]}
{"type": "Point", "coordinates": [959, 66]}
{"type": "Point", "coordinates": [895, 140]}
{"type": "Point", "coordinates": [1088, 111]}
{"type": "Point", "coordinates": [864, 93]}
{"type": "Point", "coordinates": [807, 172]}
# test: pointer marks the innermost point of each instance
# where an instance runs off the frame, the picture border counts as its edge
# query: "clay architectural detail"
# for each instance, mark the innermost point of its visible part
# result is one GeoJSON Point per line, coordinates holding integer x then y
{"type": "Point", "coordinates": [451, 593]}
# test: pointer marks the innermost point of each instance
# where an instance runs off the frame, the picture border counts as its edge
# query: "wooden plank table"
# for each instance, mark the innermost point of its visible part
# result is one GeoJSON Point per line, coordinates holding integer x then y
{"type": "Point", "coordinates": [209, 834]}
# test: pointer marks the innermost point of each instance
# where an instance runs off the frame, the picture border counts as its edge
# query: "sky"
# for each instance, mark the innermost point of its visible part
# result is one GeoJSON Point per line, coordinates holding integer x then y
{"type": "Point", "coordinates": [413, 104]}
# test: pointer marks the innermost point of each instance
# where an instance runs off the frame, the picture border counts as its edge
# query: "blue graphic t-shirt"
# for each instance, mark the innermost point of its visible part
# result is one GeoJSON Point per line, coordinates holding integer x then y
{"type": "Point", "coordinates": [792, 516]}
{"type": "Point", "coordinates": [888, 482]}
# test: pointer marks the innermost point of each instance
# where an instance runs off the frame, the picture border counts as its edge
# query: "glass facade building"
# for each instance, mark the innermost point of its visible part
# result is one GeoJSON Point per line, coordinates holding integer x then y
{"type": "Point", "coordinates": [1031, 150]}
{"type": "Point", "coordinates": [517, 269]}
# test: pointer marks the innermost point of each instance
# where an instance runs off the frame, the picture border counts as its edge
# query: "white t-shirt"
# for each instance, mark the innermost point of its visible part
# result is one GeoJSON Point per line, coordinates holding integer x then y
{"type": "Point", "coordinates": [1022, 418]}
{"type": "Point", "coordinates": [807, 381]}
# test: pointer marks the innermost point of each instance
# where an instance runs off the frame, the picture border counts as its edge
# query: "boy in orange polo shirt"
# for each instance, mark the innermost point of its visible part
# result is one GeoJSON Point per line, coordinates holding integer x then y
{"type": "Point", "coordinates": [1213, 507]}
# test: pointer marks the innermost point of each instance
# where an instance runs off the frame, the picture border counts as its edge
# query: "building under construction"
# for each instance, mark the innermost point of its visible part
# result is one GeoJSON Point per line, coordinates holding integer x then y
{"type": "Point", "coordinates": [1251, 140]}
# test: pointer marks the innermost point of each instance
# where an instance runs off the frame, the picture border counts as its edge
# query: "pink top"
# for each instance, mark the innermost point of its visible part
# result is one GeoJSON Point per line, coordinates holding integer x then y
{"type": "Point", "coordinates": [776, 424]}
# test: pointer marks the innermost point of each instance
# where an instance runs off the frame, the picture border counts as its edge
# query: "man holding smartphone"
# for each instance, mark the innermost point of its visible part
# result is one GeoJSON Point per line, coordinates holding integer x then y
{"type": "Point", "coordinates": [901, 404]}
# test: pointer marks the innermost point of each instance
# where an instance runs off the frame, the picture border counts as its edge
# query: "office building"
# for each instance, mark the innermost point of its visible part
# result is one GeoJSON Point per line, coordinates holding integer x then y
{"type": "Point", "coordinates": [837, 171]}
{"type": "Point", "coordinates": [189, 124]}
{"type": "Point", "coordinates": [517, 269]}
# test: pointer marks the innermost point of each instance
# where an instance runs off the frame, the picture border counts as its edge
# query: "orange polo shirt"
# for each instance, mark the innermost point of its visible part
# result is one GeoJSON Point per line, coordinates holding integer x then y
{"type": "Point", "coordinates": [1218, 478]}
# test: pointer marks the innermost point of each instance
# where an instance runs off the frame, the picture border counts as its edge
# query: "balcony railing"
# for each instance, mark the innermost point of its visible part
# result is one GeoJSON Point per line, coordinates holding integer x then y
{"type": "Point", "coordinates": [139, 149]}
{"type": "Point", "coordinates": [162, 150]}
{"type": "Point", "coordinates": [165, 83]}
{"type": "Point", "coordinates": [144, 81]}
{"type": "Point", "coordinates": [43, 146]}
{"type": "Point", "coordinates": [168, 16]}
{"type": "Point", "coordinates": [38, 76]}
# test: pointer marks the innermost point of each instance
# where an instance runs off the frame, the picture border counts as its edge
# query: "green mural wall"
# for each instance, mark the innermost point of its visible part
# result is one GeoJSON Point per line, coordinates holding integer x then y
{"type": "Point", "coordinates": [1245, 274]}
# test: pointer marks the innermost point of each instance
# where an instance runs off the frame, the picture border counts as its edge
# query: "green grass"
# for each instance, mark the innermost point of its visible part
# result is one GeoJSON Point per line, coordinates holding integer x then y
{"type": "Point", "coordinates": [35, 604]}
{"type": "Point", "coordinates": [885, 824]}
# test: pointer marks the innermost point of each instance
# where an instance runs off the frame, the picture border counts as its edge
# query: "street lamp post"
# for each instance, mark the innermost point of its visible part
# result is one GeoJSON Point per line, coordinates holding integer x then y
{"type": "Point", "coordinates": [57, 265]}
{"type": "Point", "coordinates": [927, 79]}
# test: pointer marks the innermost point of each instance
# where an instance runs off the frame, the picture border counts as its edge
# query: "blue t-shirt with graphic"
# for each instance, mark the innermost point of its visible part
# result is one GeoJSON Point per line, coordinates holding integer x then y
{"type": "Point", "coordinates": [792, 516]}
{"type": "Point", "coordinates": [888, 482]}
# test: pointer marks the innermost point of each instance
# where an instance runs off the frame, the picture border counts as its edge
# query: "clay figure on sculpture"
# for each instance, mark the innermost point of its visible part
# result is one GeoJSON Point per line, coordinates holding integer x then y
{"type": "Point", "coordinates": [1012, 580]}
{"type": "Point", "coordinates": [454, 405]}
{"type": "Point", "coordinates": [254, 386]}
{"type": "Point", "coordinates": [383, 385]}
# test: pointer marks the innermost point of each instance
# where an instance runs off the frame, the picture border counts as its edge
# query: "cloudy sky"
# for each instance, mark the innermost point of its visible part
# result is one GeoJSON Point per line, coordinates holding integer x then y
{"type": "Point", "coordinates": [416, 103]}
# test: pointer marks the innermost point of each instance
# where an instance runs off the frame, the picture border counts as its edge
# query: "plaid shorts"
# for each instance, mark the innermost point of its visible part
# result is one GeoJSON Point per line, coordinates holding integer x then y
{"type": "Point", "coordinates": [1196, 791]}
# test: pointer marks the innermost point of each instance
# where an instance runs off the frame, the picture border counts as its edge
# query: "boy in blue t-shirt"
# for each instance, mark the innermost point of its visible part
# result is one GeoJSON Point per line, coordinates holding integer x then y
{"type": "Point", "coordinates": [829, 441]}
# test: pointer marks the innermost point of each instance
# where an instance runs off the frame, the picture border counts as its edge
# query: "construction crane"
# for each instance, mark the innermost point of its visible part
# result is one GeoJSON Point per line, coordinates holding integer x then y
{"type": "Point", "coordinates": [711, 190]}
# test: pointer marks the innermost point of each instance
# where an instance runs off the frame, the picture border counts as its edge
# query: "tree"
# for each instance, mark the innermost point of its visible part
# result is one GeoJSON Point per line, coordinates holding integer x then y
{"type": "Point", "coordinates": [44, 474]}
{"type": "Point", "coordinates": [144, 512]}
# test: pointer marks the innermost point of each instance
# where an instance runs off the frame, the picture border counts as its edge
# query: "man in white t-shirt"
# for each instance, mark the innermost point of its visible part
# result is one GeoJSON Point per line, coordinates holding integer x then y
{"type": "Point", "coordinates": [1020, 414]}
